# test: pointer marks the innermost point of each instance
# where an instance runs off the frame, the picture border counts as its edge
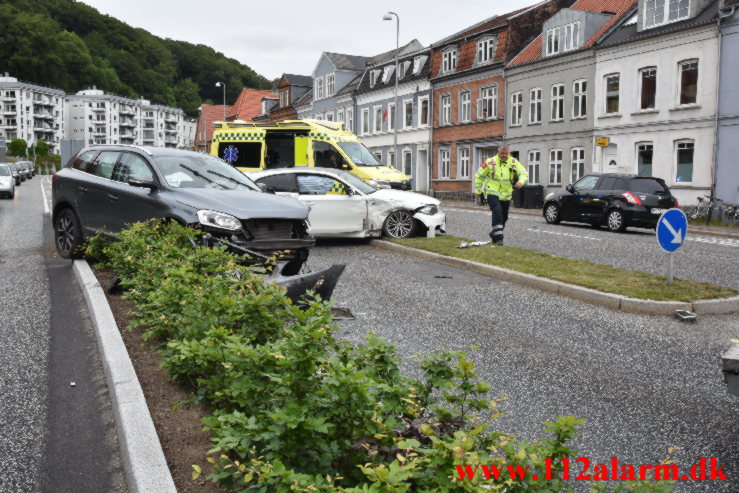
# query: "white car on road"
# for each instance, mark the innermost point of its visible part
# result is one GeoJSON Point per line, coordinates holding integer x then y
{"type": "Point", "coordinates": [343, 205]}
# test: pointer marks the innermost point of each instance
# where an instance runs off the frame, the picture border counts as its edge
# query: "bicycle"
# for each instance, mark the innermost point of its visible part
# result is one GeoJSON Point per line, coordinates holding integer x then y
{"type": "Point", "coordinates": [693, 212]}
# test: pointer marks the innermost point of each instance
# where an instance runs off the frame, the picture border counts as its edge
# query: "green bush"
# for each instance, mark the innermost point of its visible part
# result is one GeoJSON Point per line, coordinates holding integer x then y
{"type": "Point", "coordinates": [295, 409]}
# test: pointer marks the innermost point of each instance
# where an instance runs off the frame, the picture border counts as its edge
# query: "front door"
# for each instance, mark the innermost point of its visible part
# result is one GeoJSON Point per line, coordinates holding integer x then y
{"type": "Point", "coordinates": [133, 204]}
{"type": "Point", "coordinates": [334, 209]}
{"type": "Point", "coordinates": [580, 204]}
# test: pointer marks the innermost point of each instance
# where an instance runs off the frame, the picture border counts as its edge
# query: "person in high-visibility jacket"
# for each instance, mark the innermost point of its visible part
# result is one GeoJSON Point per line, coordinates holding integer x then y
{"type": "Point", "coordinates": [494, 183]}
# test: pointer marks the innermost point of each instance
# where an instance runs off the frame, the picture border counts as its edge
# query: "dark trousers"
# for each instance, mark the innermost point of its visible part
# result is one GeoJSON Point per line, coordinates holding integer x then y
{"type": "Point", "coordinates": [499, 208]}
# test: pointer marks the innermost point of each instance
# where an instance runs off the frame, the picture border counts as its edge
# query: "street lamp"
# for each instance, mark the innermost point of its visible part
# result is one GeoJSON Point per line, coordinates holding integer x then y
{"type": "Point", "coordinates": [223, 84]}
{"type": "Point", "coordinates": [389, 17]}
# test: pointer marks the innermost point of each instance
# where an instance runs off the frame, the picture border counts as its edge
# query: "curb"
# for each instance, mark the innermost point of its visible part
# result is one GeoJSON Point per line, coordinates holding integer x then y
{"type": "Point", "coordinates": [143, 458]}
{"type": "Point", "coordinates": [609, 300]}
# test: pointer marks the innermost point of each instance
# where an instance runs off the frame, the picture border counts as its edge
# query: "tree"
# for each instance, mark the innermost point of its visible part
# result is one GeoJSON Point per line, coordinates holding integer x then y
{"type": "Point", "coordinates": [41, 148]}
{"type": "Point", "coordinates": [187, 94]}
{"type": "Point", "coordinates": [17, 147]}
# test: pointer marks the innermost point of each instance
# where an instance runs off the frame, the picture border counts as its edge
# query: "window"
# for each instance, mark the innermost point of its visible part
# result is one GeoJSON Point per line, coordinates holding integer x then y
{"type": "Point", "coordinates": [408, 114]}
{"type": "Point", "coordinates": [487, 105]}
{"type": "Point", "coordinates": [578, 163]}
{"type": "Point", "coordinates": [377, 119]}
{"type": "Point", "coordinates": [373, 77]}
{"type": "Point", "coordinates": [104, 164]}
{"type": "Point", "coordinates": [444, 163]}
{"type": "Point", "coordinates": [390, 117]}
{"type": "Point", "coordinates": [572, 36]}
{"type": "Point", "coordinates": [579, 99]}
{"type": "Point", "coordinates": [365, 121]}
{"type": "Point", "coordinates": [449, 60]}
{"type": "Point", "coordinates": [378, 155]}
{"type": "Point", "coordinates": [418, 63]}
{"type": "Point", "coordinates": [486, 50]}
{"type": "Point", "coordinates": [644, 155]}
{"type": "Point", "coordinates": [319, 185]}
{"type": "Point", "coordinates": [329, 117]}
{"type": "Point", "coordinates": [464, 163]}
{"type": "Point", "coordinates": [350, 119]}
{"type": "Point", "coordinates": [330, 84]}
{"type": "Point", "coordinates": [340, 116]}
{"type": "Point", "coordinates": [391, 158]}
{"type": "Point", "coordinates": [648, 88]}
{"type": "Point", "coordinates": [326, 155]}
{"type": "Point", "coordinates": [387, 72]}
{"type": "Point", "coordinates": [555, 166]}
{"type": "Point", "coordinates": [688, 82]}
{"type": "Point", "coordinates": [84, 161]}
{"type": "Point", "coordinates": [403, 69]}
{"type": "Point", "coordinates": [553, 41]}
{"type": "Point", "coordinates": [423, 117]}
{"type": "Point", "coordinates": [446, 109]}
{"type": "Point", "coordinates": [319, 88]}
{"type": "Point", "coordinates": [132, 165]}
{"type": "Point", "coordinates": [587, 183]}
{"type": "Point", "coordinates": [407, 163]}
{"type": "Point", "coordinates": [535, 106]}
{"type": "Point", "coordinates": [534, 165]}
{"type": "Point", "coordinates": [558, 102]}
{"type": "Point", "coordinates": [612, 93]}
{"type": "Point", "coordinates": [465, 106]}
{"type": "Point", "coordinates": [685, 152]}
{"type": "Point", "coordinates": [516, 108]}
{"type": "Point", "coordinates": [658, 12]}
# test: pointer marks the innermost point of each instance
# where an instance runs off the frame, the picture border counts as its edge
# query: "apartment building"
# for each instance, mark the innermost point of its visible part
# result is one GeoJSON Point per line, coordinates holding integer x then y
{"type": "Point", "coordinates": [31, 112]}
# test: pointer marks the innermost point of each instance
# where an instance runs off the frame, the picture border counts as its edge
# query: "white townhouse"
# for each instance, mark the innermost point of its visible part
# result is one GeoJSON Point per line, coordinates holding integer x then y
{"type": "Point", "coordinates": [655, 95]}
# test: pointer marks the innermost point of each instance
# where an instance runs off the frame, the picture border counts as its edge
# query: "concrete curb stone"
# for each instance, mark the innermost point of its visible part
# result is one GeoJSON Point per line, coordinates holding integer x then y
{"type": "Point", "coordinates": [609, 300]}
{"type": "Point", "coordinates": [143, 458]}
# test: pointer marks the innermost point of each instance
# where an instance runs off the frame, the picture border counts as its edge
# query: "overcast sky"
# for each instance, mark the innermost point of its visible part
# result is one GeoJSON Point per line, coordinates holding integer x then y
{"type": "Point", "coordinates": [274, 37]}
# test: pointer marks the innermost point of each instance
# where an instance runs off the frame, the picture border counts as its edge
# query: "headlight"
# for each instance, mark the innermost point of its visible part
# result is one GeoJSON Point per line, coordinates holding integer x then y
{"type": "Point", "coordinates": [380, 183]}
{"type": "Point", "coordinates": [429, 209]}
{"type": "Point", "coordinates": [218, 220]}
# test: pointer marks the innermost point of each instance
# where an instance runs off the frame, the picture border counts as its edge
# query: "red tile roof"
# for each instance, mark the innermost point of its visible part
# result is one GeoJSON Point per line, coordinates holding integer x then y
{"type": "Point", "coordinates": [209, 113]}
{"type": "Point", "coordinates": [620, 7]}
{"type": "Point", "coordinates": [248, 104]}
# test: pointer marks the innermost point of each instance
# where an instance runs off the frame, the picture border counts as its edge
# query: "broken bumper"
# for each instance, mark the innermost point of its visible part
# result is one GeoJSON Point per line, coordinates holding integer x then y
{"type": "Point", "coordinates": [435, 223]}
{"type": "Point", "coordinates": [321, 283]}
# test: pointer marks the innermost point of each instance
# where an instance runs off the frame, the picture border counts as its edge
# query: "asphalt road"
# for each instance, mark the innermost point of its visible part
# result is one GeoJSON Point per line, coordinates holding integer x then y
{"type": "Point", "coordinates": [702, 258]}
{"type": "Point", "coordinates": [643, 383]}
{"type": "Point", "coordinates": [54, 436]}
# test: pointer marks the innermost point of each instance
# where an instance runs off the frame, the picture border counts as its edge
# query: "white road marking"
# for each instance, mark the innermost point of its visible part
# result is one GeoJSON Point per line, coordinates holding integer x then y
{"type": "Point", "coordinates": [563, 234]}
{"type": "Point", "coordinates": [43, 192]}
{"type": "Point", "coordinates": [714, 240]}
{"type": "Point", "coordinates": [472, 211]}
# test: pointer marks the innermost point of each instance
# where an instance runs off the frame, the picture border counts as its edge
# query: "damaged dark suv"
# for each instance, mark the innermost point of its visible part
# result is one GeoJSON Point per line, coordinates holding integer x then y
{"type": "Point", "coordinates": [105, 187]}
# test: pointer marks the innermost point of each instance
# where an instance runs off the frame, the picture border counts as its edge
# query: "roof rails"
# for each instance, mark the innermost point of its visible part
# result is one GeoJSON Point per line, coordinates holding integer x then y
{"type": "Point", "coordinates": [140, 148]}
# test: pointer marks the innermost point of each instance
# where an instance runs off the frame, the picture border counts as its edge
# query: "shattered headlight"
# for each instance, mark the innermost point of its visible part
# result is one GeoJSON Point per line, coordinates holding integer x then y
{"type": "Point", "coordinates": [380, 183]}
{"type": "Point", "coordinates": [429, 209]}
{"type": "Point", "coordinates": [219, 220]}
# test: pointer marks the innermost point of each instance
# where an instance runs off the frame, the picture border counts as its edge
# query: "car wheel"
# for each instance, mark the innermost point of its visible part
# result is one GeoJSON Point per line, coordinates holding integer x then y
{"type": "Point", "coordinates": [551, 213]}
{"type": "Point", "coordinates": [399, 224]}
{"type": "Point", "coordinates": [616, 221]}
{"type": "Point", "coordinates": [68, 235]}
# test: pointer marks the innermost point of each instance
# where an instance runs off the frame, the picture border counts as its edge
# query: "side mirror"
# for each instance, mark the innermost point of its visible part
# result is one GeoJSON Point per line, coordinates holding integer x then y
{"type": "Point", "coordinates": [570, 188]}
{"type": "Point", "coordinates": [265, 188]}
{"type": "Point", "coordinates": [345, 166]}
{"type": "Point", "coordinates": [141, 182]}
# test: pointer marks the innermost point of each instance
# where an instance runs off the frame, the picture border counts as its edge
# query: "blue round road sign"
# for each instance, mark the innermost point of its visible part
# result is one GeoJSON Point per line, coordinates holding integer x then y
{"type": "Point", "coordinates": [671, 229]}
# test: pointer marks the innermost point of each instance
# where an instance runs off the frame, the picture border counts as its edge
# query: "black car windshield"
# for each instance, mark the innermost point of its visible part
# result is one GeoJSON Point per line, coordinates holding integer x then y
{"type": "Point", "coordinates": [4, 171]}
{"type": "Point", "coordinates": [359, 154]}
{"type": "Point", "coordinates": [649, 185]}
{"type": "Point", "coordinates": [358, 183]}
{"type": "Point", "coordinates": [202, 171]}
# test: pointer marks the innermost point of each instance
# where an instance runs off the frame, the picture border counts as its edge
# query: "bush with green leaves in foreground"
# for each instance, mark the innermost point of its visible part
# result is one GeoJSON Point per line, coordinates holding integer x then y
{"type": "Point", "coordinates": [292, 407]}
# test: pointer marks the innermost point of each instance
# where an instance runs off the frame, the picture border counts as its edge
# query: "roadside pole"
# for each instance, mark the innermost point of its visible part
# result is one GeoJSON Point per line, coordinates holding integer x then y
{"type": "Point", "coordinates": [672, 228]}
{"type": "Point", "coordinates": [670, 260]}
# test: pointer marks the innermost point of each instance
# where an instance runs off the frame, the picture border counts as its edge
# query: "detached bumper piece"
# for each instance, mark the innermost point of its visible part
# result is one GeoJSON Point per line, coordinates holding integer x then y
{"type": "Point", "coordinates": [321, 283]}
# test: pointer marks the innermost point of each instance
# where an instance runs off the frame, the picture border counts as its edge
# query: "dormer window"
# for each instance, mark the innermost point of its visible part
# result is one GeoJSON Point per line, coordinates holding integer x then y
{"type": "Point", "coordinates": [418, 63]}
{"type": "Point", "coordinates": [572, 36]}
{"type": "Point", "coordinates": [553, 41]}
{"type": "Point", "coordinates": [319, 88]}
{"type": "Point", "coordinates": [486, 50]}
{"type": "Point", "coordinates": [449, 60]}
{"type": "Point", "coordinates": [373, 77]}
{"type": "Point", "coordinates": [330, 85]}
{"type": "Point", "coordinates": [403, 69]}
{"type": "Point", "coordinates": [658, 12]}
{"type": "Point", "coordinates": [387, 72]}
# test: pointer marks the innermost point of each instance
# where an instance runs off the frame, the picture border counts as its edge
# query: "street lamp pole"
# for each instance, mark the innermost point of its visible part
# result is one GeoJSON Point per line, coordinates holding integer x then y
{"type": "Point", "coordinates": [388, 17]}
{"type": "Point", "coordinates": [223, 84]}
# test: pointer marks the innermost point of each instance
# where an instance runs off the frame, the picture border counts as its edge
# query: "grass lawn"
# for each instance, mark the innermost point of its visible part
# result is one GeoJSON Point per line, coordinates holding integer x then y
{"type": "Point", "coordinates": [606, 278]}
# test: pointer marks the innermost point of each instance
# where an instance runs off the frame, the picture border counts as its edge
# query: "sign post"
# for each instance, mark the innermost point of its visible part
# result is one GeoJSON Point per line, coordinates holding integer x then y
{"type": "Point", "coordinates": [671, 230]}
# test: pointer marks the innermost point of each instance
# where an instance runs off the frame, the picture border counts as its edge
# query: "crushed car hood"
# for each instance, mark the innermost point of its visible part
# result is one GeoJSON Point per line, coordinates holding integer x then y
{"type": "Point", "coordinates": [407, 200]}
{"type": "Point", "coordinates": [243, 204]}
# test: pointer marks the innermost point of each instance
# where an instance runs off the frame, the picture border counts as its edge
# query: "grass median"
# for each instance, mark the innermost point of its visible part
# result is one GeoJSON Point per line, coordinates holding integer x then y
{"type": "Point", "coordinates": [606, 278]}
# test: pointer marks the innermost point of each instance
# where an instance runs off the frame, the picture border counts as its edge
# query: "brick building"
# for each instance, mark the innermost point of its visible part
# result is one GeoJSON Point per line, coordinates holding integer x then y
{"type": "Point", "coordinates": [467, 75]}
{"type": "Point", "coordinates": [290, 89]}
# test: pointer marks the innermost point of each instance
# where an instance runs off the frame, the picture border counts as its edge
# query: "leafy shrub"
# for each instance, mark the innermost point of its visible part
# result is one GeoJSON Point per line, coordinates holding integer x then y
{"type": "Point", "coordinates": [294, 408]}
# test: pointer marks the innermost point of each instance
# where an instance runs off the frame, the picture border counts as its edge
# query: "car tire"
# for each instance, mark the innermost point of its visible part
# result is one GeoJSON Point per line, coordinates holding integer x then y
{"type": "Point", "coordinates": [399, 224]}
{"type": "Point", "coordinates": [551, 213]}
{"type": "Point", "coordinates": [68, 234]}
{"type": "Point", "coordinates": [616, 221]}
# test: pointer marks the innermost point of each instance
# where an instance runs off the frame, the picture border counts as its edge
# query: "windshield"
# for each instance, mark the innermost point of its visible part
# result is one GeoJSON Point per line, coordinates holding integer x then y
{"type": "Point", "coordinates": [358, 183]}
{"type": "Point", "coordinates": [359, 154]}
{"type": "Point", "coordinates": [202, 171]}
{"type": "Point", "coordinates": [4, 171]}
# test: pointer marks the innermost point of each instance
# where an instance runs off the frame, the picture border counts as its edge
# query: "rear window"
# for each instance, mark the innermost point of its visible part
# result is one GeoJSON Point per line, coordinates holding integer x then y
{"type": "Point", "coordinates": [648, 185]}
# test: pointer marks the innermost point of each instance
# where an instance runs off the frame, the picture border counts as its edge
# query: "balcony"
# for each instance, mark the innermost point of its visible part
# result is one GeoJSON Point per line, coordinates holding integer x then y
{"type": "Point", "coordinates": [9, 99]}
{"type": "Point", "coordinates": [126, 111]}
{"type": "Point", "coordinates": [9, 112]}
{"type": "Point", "coordinates": [170, 130]}
{"type": "Point", "coordinates": [170, 119]}
{"type": "Point", "coordinates": [97, 108]}
{"type": "Point", "coordinates": [99, 132]}
{"type": "Point", "coordinates": [43, 114]}
{"type": "Point", "coordinates": [127, 123]}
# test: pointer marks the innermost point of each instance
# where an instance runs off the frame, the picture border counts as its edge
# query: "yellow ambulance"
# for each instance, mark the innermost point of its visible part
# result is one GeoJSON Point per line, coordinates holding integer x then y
{"type": "Point", "coordinates": [259, 146]}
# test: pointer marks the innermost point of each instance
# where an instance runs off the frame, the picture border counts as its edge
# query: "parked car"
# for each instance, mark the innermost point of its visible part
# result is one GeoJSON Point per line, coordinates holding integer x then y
{"type": "Point", "coordinates": [27, 168]}
{"type": "Point", "coordinates": [7, 182]}
{"type": "Point", "coordinates": [615, 200]}
{"type": "Point", "coordinates": [16, 172]}
{"type": "Point", "coordinates": [343, 205]}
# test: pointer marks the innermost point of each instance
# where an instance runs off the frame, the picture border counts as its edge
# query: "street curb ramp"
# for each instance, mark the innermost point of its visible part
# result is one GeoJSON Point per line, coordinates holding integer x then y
{"type": "Point", "coordinates": [609, 300]}
{"type": "Point", "coordinates": [143, 459]}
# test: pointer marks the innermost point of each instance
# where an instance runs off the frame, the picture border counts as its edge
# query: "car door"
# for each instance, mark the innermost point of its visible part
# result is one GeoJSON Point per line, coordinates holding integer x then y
{"type": "Point", "coordinates": [96, 208]}
{"type": "Point", "coordinates": [133, 204]}
{"type": "Point", "coordinates": [336, 208]}
{"type": "Point", "coordinates": [581, 204]}
{"type": "Point", "coordinates": [604, 194]}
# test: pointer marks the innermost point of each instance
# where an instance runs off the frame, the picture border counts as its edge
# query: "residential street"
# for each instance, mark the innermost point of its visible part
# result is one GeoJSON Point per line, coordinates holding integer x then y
{"type": "Point", "coordinates": [55, 436]}
{"type": "Point", "coordinates": [643, 383]}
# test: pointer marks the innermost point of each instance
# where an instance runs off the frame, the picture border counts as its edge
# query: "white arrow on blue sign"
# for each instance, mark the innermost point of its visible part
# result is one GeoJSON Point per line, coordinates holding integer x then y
{"type": "Point", "coordinates": [671, 229]}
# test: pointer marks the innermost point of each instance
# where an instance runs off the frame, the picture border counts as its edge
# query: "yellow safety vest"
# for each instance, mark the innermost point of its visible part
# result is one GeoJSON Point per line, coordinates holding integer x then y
{"type": "Point", "coordinates": [499, 183]}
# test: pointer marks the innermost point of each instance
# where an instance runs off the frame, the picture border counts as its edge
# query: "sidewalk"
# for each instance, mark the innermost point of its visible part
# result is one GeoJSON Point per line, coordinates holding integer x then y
{"type": "Point", "coordinates": [722, 231]}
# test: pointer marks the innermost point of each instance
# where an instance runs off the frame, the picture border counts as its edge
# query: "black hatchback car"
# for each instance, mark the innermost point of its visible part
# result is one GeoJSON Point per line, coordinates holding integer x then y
{"type": "Point", "coordinates": [614, 200]}
{"type": "Point", "coordinates": [105, 187]}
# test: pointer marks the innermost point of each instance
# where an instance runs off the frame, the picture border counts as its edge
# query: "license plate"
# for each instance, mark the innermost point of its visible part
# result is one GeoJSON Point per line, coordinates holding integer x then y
{"type": "Point", "coordinates": [657, 211]}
